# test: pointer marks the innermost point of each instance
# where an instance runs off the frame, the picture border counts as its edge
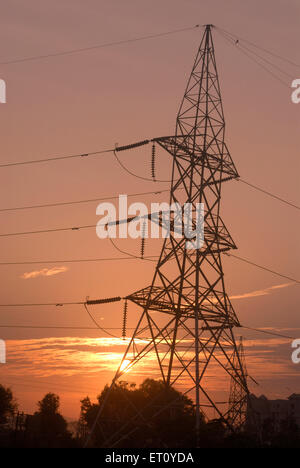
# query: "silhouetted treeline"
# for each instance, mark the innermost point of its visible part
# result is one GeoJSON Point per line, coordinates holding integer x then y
{"type": "Point", "coordinates": [147, 416]}
{"type": "Point", "coordinates": [46, 428]}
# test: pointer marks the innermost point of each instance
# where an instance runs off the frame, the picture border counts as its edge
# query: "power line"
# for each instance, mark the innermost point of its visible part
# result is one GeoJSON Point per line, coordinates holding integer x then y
{"type": "Point", "coordinates": [76, 202]}
{"type": "Point", "coordinates": [73, 156]}
{"type": "Point", "coordinates": [239, 179]}
{"type": "Point", "coordinates": [43, 231]}
{"type": "Point", "coordinates": [97, 324]}
{"type": "Point", "coordinates": [48, 205]}
{"type": "Point", "coordinates": [98, 46]}
{"type": "Point", "coordinates": [152, 192]}
{"type": "Point", "coordinates": [241, 49]}
{"type": "Point", "coordinates": [79, 260]}
{"type": "Point", "coordinates": [48, 327]}
{"type": "Point", "coordinates": [54, 327]}
{"type": "Point", "coordinates": [151, 258]}
{"type": "Point", "coordinates": [148, 179]}
{"type": "Point", "coordinates": [262, 267]}
{"type": "Point", "coordinates": [268, 332]}
{"type": "Point", "coordinates": [89, 226]}
{"type": "Point", "coordinates": [273, 54]}
{"type": "Point", "coordinates": [276, 197]}
{"type": "Point", "coordinates": [60, 304]}
{"type": "Point", "coordinates": [237, 42]}
{"type": "Point", "coordinates": [55, 304]}
{"type": "Point", "coordinates": [268, 62]}
{"type": "Point", "coordinates": [278, 78]}
{"type": "Point", "coordinates": [55, 158]}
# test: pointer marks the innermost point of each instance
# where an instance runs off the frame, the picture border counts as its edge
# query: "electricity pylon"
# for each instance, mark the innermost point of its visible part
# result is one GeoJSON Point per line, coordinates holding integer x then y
{"type": "Point", "coordinates": [238, 397]}
{"type": "Point", "coordinates": [186, 312]}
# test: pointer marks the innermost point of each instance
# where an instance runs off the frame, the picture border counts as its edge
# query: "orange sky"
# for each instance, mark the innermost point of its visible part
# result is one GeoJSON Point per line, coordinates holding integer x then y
{"type": "Point", "coordinates": [90, 101]}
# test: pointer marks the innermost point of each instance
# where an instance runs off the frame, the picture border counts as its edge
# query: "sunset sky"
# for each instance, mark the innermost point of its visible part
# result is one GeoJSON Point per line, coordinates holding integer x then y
{"type": "Point", "coordinates": [121, 94]}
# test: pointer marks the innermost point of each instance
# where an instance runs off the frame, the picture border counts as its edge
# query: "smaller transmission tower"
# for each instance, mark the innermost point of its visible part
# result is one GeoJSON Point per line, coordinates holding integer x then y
{"type": "Point", "coordinates": [238, 397]}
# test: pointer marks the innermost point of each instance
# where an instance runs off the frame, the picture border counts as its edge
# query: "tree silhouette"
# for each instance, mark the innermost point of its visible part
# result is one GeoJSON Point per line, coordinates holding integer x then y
{"type": "Point", "coordinates": [49, 404]}
{"type": "Point", "coordinates": [152, 415]}
{"type": "Point", "coordinates": [47, 426]}
{"type": "Point", "coordinates": [7, 403]}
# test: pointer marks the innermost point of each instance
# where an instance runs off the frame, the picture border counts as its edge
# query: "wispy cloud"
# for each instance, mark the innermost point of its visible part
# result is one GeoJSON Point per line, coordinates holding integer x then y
{"type": "Point", "coordinates": [262, 292]}
{"type": "Point", "coordinates": [82, 358]}
{"type": "Point", "coordinates": [44, 272]}
{"type": "Point", "coordinates": [75, 367]}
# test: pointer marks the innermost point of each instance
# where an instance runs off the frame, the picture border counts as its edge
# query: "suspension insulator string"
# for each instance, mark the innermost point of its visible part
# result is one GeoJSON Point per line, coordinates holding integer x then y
{"type": "Point", "coordinates": [143, 240]}
{"type": "Point", "coordinates": [124, 320]}
{"type": "Point", "coordinates": [153, 162]}
{"type": "Point", "coordinates": [133, 145]}
{"type": "Point", "coordinates": [103, 301]}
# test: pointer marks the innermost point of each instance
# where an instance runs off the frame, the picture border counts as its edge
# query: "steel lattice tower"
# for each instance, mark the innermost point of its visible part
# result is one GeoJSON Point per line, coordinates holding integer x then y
{"type": "Point", "coordinates": [187, 315]}
{"type": "Point", "coordinates": [238, 404]}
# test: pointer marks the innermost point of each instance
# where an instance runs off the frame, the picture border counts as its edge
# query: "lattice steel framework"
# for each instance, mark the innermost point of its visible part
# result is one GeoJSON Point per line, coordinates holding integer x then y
{"type": "Point", "coordinates": [187, 314]}
{"type": "Point", "coordinates": [238, 404]}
